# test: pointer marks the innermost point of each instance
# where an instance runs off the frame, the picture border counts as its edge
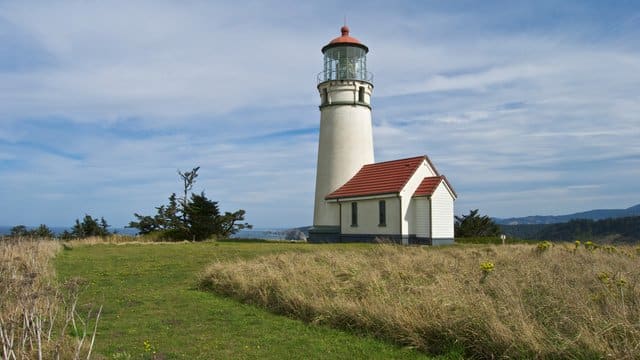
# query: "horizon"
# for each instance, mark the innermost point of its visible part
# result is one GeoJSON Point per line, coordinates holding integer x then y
{"type": "Point", "coordinates": [528, 108]}
{"type": "Point", "coordinates": [58, 228]}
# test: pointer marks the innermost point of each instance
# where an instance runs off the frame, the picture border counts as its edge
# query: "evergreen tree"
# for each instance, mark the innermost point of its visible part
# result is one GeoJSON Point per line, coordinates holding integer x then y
{"type": "Point", "coordinates": [474, 225]}
{"type": "Point", "coordinates": [230, 223]}
{"type": "Point", "coordinates": [193, 218]}
{"type": "Point", "coordinates": [145, 224]}
{"type": "Point", "coordinates": [202, 217]}
{"type": "Point", "coordinates": [90, 227]}
{"type": "Point", "coordinates": [19, 231]}
{"type": "Point", "coordinates": [66, 235]}
{"type": "Point", "coordinates": [42, 231]}
{"type": "Point", "coordinates": [167, 217]}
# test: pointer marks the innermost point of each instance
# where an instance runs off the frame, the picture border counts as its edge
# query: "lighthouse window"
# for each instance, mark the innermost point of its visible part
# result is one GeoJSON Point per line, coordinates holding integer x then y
{"type": "Point", "coordinates": [344, 63]}
{"type": "Point", "coordinates": [382, 213]}
{"type": "Point", "coordinates": [354, 214]}
{"type": "Point", "coordinates": [325, 96]}
{"type": "Point", "coordinates": [361, 94]}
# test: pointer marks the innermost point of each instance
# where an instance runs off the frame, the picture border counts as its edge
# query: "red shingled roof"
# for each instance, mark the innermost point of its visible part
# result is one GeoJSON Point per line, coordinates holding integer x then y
{"type": "Point", "coordinates": [429, 185]}
{"type": "Point", "coordinates": [379, 178]}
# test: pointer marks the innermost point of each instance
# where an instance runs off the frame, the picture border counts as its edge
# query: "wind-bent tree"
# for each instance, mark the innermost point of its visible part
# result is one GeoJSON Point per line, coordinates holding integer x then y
{"type": "Point", "coordinates": [188, 179]}
{"type": "Point", "coordinates": [192, 218]}
{"type": "Point", "coordinates": [474, 225]}
{"type": "Point", "coordinates": [231, 223]}
{"type": "Point", "coordinates": [167, 218]}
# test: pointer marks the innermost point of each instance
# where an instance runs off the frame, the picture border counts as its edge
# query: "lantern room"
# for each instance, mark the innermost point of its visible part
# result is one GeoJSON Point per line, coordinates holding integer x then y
{"type": "Point", "coordinates": [345, 58]}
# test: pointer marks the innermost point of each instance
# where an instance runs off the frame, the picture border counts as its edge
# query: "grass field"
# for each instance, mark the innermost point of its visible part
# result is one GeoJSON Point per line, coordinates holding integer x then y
{"type": "Point", "coordinates": [152, 304]}
{"type": "Point", "coordinates": [523, 301]}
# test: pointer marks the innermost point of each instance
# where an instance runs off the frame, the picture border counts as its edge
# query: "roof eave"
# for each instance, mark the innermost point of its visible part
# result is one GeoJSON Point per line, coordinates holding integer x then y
{"type": "Point", "coordinates": [453, 192]}
{"type": "Point", "coordinates": [361, 196]}
{"type": "Point", "coordinates": [336, 44]}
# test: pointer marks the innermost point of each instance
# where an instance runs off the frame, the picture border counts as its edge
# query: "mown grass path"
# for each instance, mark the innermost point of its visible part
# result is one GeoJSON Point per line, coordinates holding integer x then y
{"type": "Point", "coordinates": [149, 293]}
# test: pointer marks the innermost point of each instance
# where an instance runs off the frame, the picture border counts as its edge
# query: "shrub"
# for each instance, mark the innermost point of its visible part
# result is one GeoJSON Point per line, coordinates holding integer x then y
{"type": "Point", "coordinates": [543, 246]}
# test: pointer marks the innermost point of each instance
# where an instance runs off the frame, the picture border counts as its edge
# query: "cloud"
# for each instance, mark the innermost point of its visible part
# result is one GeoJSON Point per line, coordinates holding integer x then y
{"type": "Point", "coordinates": [101, 103]}
{"type": "Point", "coordinates": [479, 81]}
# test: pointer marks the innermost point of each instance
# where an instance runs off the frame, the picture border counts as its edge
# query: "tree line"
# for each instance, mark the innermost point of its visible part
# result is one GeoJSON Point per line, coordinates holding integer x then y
{"type": "Point", "coordinates": [190, 216]}
{"type": "Point", "coordinates": [88, 227]}
{"type": "Point", "coordinates": [621, 230]}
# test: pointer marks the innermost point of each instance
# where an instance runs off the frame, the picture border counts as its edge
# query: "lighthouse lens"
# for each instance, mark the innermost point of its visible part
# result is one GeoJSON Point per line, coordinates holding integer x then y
{"type": "Point", "coordinates": [345, 63]}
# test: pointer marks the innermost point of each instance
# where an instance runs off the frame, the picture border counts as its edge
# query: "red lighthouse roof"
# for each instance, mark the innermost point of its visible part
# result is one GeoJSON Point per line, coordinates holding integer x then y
{"type": "Point", "coordinates": [345, 39]}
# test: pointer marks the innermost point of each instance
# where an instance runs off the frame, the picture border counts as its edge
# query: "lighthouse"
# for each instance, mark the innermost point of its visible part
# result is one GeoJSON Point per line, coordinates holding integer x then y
{"type": "Point", "coordinates": [346, 138]}
{"type": "Point", "coordinates": [406, 201]}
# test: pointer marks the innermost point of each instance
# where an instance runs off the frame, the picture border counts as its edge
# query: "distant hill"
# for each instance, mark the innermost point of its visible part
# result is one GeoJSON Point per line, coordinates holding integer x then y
{"type": "Point", "coordinates": [599, 214]}
{"type": "Point", "coordinates": [611, 230]}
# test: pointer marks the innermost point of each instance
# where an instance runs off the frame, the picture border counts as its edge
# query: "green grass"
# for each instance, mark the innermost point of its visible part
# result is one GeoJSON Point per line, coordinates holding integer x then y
{"type": "Point", "coordinates": [149, 293]}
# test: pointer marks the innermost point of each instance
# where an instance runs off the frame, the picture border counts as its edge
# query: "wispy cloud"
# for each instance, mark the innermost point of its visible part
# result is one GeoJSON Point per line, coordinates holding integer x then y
{"type": "Point", "coordinates": [101, 103]}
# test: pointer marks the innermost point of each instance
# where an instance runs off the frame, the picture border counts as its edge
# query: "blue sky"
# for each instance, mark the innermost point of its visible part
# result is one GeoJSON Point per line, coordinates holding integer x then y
{"type": "Point", "coordinates": [527, 107]}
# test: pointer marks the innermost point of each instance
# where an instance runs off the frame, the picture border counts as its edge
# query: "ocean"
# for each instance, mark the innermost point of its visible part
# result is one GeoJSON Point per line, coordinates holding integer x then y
{"type": "Point", "coordinates": [256, 233]}
{"type": "Point", "coordinates": [261, 233]}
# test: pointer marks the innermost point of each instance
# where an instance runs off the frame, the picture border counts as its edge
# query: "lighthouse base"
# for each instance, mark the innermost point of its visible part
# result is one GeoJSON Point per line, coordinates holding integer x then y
{"type": "Point", "coordinates": [324, 234]}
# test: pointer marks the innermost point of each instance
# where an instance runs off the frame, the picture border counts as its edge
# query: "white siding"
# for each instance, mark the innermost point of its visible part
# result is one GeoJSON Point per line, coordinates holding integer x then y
{"type": "Point", "coordinates": [422, 217]}
{"type": "Point", "coordinates": [407, 194]}
{"type": "Point", "coordinates": [442, 213]}
{"type": "Point", "coordinates": [344, 146]}
{"type": "Point", "coordinates": [368, 217]}
{"type": "Point", "coordinates": [411, 214]}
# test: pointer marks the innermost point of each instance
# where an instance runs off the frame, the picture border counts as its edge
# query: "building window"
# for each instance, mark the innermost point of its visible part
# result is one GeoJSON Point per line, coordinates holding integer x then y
{"type": "Point", "coordinates": [354, 214]}
{"type": "Point", "coordinates": [382, 213]}
{"type": "Point", "coordinates": [361, 94]}
{"type": "Point", "coordinates": [325, 96]}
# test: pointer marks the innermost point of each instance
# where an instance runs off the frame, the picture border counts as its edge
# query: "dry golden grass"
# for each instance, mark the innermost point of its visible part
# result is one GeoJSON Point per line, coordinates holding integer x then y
{"type": "Point", "coordinates": [37, 313]}
{"type": "Point", "coordinates": [534, 302]}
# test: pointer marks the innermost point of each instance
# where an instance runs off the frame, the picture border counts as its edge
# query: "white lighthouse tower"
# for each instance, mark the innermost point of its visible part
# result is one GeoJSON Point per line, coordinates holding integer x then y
{"type": "Point", "coordinates": [346, 139]}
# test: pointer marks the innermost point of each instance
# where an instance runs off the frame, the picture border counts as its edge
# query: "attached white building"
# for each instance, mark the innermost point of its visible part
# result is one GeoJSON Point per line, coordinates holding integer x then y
{"type": "Point", "coordinates": [405, 201]}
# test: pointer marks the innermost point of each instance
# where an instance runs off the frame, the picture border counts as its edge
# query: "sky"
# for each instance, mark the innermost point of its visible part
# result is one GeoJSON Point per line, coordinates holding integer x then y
{"type": "Point", "coordinates": [528, 107]}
